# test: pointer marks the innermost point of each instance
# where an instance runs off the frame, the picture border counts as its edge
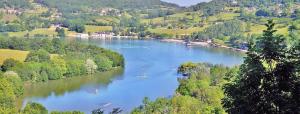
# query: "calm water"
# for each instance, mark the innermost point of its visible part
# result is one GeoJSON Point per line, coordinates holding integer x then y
{"type": "Point", "coordinates": [150, 71]}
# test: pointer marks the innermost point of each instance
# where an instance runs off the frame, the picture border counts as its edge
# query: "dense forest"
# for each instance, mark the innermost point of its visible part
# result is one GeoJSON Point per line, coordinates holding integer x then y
{"type": "Point", "coordinates": [55, 59]}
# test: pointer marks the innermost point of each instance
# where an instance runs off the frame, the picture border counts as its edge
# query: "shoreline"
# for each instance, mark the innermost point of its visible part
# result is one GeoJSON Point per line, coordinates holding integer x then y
{"type": "Point", "coordinates": [204, 44]}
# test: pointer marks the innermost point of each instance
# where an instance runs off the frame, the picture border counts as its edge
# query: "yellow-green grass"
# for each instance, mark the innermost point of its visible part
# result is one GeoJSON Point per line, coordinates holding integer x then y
{"type": "Point", "coordinates": [90, 28]}
{"type": "Point", "coordinates": [43, 31]}
{"type": "Point", "coordinates": [233, 8]}
{"type": "Point", "coordinates": [258, 29]}
{"type": "Point", "coordinates": [107, 19]}
{"type": "Point", "coordinates": [13, 54]}
{"type": "Point", "coordinates": [223, 16]}
{"type": "Point", "coordinates": [16, 55]}
{"type": "Point", "coordinates": [277, 20]}
{"type": "Point", "coordinates": [176, 31]}
{"type": "Point", "coordinates": [9, 17]}
{"type": "Point", "coordinates": [154, 20]}
{"type": "Point", "coordinates": [37, 10]}
{"type": "Point", "coordinates": [172, 18]}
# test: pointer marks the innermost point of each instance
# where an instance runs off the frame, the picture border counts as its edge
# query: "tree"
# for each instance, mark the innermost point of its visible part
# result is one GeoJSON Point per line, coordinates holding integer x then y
{"type": "Point", "coordinates": [91, 66]}
{"type": "Point", "coordinates": [7, 96]}
{"type": "Point", "coordinates": [54, 72]}
{"type": "Point", "coordinates": [60, 63]}
{"type": "Point", "coordinates": [58, 45]}
{"type": "Point", "coordinates": [267, 82]}
{"type": "Point", "coordinates": [38, 56]}
{"type": "Point", "coordinates": [8, 64]}
{"type": "Point", "coordinates": [297, 13]}
{"type": "Point", "coordinates": [103, 63]}
{"type": "Point", "coordinates": [16, 81]}
{"type": "Point", "coordinates": [187, 68]}
{"type": "Point", "coordinates": [34, 108]}
{"type": "Point", "coordinates": [263, 13]}
{"type": "Point", "coordinates": [60, 32]}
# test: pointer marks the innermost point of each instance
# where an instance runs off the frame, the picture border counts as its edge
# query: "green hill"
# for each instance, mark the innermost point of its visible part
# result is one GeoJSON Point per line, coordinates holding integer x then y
{"type": "Point", "coordinates": [73, 6]}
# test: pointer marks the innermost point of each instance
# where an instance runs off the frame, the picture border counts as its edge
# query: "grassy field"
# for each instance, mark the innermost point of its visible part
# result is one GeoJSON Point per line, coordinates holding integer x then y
{"type": "Point", "coordinates": [89, 28]}
{"type": "Point", "coordinates": [176, 31]}
{"type": "Point", "coordinates": [107, 19]}
{"type": "Point", "coordinates": [14, 54]}
{"type": "Point", "coordinates": [9, 17]}
{"type": "Point", "coordinates": [44, 31]}
{"type": "Point", "coordinates": [258, 29]}
{"type": "Point", "coordinates": [223, 16]}
{"type": "Point", "coordinates": [50, 32]}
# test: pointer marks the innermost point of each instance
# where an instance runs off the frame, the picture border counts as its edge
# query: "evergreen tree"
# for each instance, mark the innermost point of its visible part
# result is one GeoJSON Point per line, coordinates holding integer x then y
{"type": "Point", "coordinates": [268, 81]}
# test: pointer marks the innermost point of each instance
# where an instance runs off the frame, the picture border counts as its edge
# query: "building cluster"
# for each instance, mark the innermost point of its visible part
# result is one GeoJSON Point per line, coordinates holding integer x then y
{"type": "Point", "coordinates": [11, 11]}
{"type": "Point", "coordinates": [96, 35]}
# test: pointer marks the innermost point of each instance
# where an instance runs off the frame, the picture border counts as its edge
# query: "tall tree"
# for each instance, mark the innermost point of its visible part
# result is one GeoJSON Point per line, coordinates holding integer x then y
{"type": "Point", "coordinates": [268, 81]}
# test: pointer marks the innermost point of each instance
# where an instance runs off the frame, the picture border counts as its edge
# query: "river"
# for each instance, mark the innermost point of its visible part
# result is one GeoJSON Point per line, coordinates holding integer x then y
{"type": "Point", "coordinates": [150, 71]}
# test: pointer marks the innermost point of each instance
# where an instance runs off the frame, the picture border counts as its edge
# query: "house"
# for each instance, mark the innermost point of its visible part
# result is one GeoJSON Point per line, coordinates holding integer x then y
{"type": "Point", "coordinates": [250, 9]}
{"type": "Point", "coordinates": [102, 35]}
{"type": "Point", "coordinates": [82, 35]}
{"type": "Point", "coordinates": [11, 11]}
{"type": "Point", "coordinates": [109, 11]}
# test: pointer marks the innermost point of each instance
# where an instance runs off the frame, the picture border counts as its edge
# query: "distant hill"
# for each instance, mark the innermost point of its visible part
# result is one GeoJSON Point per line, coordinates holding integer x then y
{"type": "Point", "coordinates": [217, 6]}
{"type": "Point", "coordinates": [14, 4]}
{"type": "Point", "coordinates": [81, 6]}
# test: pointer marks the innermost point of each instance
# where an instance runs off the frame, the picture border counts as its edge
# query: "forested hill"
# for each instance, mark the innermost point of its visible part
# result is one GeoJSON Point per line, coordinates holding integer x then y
{"type": "Point", "coordinates": [244, 3]}
{"type": "Point", "coordinates": [79, 5]}
{"type": "Point", "coordinates": [14, 4]}
{"type": "Point", "coordinates": [285, 7]}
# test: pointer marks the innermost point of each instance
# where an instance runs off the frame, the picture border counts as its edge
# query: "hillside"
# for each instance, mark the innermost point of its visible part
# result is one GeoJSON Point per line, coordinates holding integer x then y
{"type": "Point", "coordinates": [73, 6]}
{"type": "Point", "coordinates": [14, 4]}
{"type": "Point", "coordinates": [206, 22]}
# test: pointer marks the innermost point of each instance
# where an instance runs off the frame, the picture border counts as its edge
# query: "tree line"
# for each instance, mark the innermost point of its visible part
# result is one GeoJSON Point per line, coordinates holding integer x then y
{"type": "Point", "coordinates": [55, 59]}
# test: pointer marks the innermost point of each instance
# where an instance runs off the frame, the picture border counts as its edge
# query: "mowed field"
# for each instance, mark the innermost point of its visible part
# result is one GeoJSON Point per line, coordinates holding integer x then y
{"type": "Point", "coordinates": [14, 54]}
{"type": "Point", "coordinates": [176, 31]}
{"type": "Point", "coordinates": [90, 28]}
{"type": "Point", "coordinates": [50, 32]}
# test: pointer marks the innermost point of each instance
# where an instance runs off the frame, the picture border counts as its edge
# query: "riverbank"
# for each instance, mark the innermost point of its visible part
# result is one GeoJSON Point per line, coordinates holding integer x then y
{"type": "Point", "coordinates": [203, 44]}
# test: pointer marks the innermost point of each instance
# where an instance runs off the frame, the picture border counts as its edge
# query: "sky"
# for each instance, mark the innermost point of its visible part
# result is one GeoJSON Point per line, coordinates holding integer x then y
{"type": "Point", "coordinates": [186, 2]}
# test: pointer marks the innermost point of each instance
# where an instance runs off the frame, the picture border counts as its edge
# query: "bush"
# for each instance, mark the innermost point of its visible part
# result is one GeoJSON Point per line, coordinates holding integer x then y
{"type": "Point", "coordinates": [90, 66]}
{"type": "Point", "coordinates": [103, 63]}
{"type": "Point", "coordinates": [8, 64]}
{"type": "Point", "coordinates": [35, 108]}
{"type": "Point", "coordinates": [53, 72]}
{"type": "Point", "coordinates": [38, 56]}
{"type": "Point", "coordinates": [15, 81]}
{"type": "Point", "coordinates": [7, 96]}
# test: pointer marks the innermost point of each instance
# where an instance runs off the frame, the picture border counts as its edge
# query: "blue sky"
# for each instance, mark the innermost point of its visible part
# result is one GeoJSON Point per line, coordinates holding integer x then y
{"type": "Point", "coordinates": [186, 2]}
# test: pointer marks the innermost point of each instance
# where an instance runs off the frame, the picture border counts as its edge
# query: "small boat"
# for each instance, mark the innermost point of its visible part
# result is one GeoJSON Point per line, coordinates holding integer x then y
{"type": "Point", "coordinates": [143, 76]}
{"type": "Point", "coordinates": [188, 44]}
{"type": "Point", "coordinates": [105, 105]}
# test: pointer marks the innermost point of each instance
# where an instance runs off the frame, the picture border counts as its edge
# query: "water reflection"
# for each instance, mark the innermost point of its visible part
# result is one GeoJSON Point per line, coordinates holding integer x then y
{"type": "Point", "coordinates": [88, 84]}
